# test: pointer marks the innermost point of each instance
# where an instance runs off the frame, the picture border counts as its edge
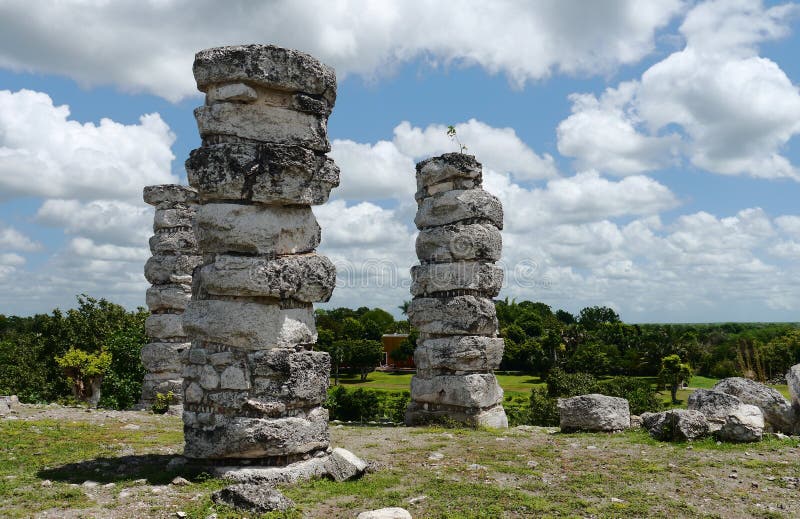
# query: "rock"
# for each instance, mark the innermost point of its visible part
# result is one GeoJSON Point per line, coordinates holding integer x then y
{"type": "Point", "coordinates": [166, 196]}
{"type": "Point", "coordinates": [448, 167]}
{"type": "Point", "coordinates": [181, 515]}
{"type": "Point", "coordinates": [476, 390]}
{"type": "Point", "coordinates": [255, 498]}
{"type": "Point", "coordinates": [231, 92]}
{"type": "Point", "coordinates": [778, 413]}
{"type": "Point", "coordinates": [170, 240]}
{"type": "Point", "coordinates": [90, 484]}
{"type": "Point", "coordinates": [292, 473]}
{"type": "Point", "coordinates": [342, 465]}
{"type": "Point", "coordinates": [170, 296]}
{"type": "Point", "coordinates": [256, 229]}
{"type": "Point", "coordinates": [306, 277]}
{"type": "Point", "coordinates": [262, 173]}
{"type": "Point", "coordinates": [636, 421]}
{"type": "Point", "coordinates": [263, 123]}
{"type": "Point", "coordinates": [244, 437]}
{"type": "Point", "coordinates": [164, 326]}
{"type": "Point", "coordinates": [676, 425]}
{"type": "Point", "coordinates": [474, 205]}
{"type": "Point", "coordinates": [180, 482]}
{"type": "Point", "coordinates": [594, 412]}
{"type": "Point", "coordinates": [793, 381]}
{"type": "Point", "coordinates": [464, 353]}
{"type": "Point", "coordinates": [459, 315]}
{"type": "Point", "coordinates": [743, 424]}
{"type": "Point", "coordinates": [436, 456]}
{"type": "Point", "coordinates": [434, 278]}
{"type": "Point", "coordinates": [46, 483]}
{"type": "Point", "coordinates": [163, 356]}
{"type": "Point", "coordinates": [175, 217]}
{"type": "Point", "coordinates": [267, 66]}
{"type": "Point", "coordinates": [459, 242]}
{"type": "Point", "coordinates": [386, 513]}
{"type": "Point", "coordinates": [171, 268]}
{"type": "Point", "coordinates": [715, 405]}
{"type": "Point", "coordinates": [298, 375]}
{"type": "Point", "coordinates": [249, 326]}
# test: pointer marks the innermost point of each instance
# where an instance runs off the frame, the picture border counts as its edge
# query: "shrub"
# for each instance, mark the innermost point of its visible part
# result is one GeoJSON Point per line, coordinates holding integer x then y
{"type": "Point", "coordinates": [518, 410]}
{"type": "Point", "coordinates": [85, 371]}
{"type": "Point", "coordinates": [639, 393]}
{"type": "Point", "coordinates": [543, 410]}
{"type": "Point", "coordinates": [561, 383]}
{"type": "Point", "coordinates": [364, 405]}
{"type": "Point", "coordinates": [162, 402]}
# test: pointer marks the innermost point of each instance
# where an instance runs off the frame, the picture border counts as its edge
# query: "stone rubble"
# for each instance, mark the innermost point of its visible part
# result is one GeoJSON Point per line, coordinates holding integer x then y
{"type": "Point", "coordinates": [728, 417]}
{"type": "Point", "coordinates": [778, 413]}
{"type": "Point", "coordinates": [676, 425]}
{"type": "Point", "coordinates": [254, 498]}
{"type": "Point", "coordinates": [175, 255]}
{"type": "Point", "coordinates": [593, 412]}
{"type": "Point", "coordinates": [452, 288]}
{"type": "Point", "coordinates": [254, 387]}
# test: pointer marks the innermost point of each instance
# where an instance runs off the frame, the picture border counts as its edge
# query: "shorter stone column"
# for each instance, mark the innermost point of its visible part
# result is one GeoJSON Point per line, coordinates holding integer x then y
{"type": "Point", "coordinates": [452, 288]}
{"type": "Point", "coordinates": [175, 256]}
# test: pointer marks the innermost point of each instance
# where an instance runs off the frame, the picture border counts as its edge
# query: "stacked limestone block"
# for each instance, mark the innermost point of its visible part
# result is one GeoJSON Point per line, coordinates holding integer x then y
{"type": "Point", "coordinates": [175, 255]}
{"type": "Point", "coordinates": [458, 349]}
{"type": "Point", "coordinates": [253, 387]}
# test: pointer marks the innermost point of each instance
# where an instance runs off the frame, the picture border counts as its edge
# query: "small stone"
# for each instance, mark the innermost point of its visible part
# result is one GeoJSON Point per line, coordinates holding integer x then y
{"type": "Point", "coordinates": [418, 499]}
{"type": "Point", "coordinates": [533, 464]}
{"type": "Point", "coordinates": [181, 514]}
{"type": "Point", "coordinates": [46, 483]}
{"type": "Point", "coordinates": [436, 456]}
{"type": "Point", "coordinates": [343, 465]}
{"type": "Point", "coordinates": [617, 500]}
{"type": "Point", "coordinates": [180, 482]}
{"type": "Point", "coordinates": [253, 498]}
{"type": "Point", "coordinates": [131, 427]}
{"type": "Point", "coordinates": [233, 378]}
{"type": "Point", "coordinates": [386, 513]}
{"type": "Point", "coordinates": [733, 475]}
{"type": "Point", "coordinates": [90, 484]}
{"type": "Point", "coordinates": [475, 466]}
{"type": "Point", "coordinates": [124, 494]}
{"type": "Point", "coordinates": [109, 485]}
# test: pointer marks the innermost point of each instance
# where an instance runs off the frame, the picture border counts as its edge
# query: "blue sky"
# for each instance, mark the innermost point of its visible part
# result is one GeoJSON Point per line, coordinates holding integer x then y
{"type": "Point", "coordinates": [645, 153]}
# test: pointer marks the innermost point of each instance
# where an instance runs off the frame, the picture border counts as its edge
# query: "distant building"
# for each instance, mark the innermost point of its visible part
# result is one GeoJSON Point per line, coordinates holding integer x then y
{"type": "Point", "coordinates": [391, 342]}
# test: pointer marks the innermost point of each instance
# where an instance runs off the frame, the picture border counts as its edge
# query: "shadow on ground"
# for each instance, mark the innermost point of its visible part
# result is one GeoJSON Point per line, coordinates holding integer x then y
{"type": "Point", "coordinates": [152, 467]}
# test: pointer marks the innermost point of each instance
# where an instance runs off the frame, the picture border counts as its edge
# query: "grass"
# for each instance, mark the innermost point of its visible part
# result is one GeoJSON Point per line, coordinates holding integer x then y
{"type": "Point", "coordinates": [390, 381]}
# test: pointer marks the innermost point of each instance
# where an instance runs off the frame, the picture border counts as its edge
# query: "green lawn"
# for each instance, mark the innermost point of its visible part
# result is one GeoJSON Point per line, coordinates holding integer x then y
{"type": "Point", "coordinates": [402, 381]}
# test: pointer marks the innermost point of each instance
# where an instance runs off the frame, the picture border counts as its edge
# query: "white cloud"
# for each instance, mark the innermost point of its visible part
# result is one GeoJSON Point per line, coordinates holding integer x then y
{"type": "Point", "coordinates": [109, 221]}
{"type": "Point", "coordinates": [12, 239]}
{"type": "Point", "coordinates": [370, 171]}
{"type": "Point", "coordinates": [736, 110]}
{"type": "Point", "coordinates": [150, 47]}
{"type": "Point", "coordinates": [44, 153]}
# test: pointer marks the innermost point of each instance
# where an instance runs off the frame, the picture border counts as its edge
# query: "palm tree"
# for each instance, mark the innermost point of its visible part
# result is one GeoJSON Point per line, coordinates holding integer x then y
{"type": "Point", "coordinates": [404, 307]}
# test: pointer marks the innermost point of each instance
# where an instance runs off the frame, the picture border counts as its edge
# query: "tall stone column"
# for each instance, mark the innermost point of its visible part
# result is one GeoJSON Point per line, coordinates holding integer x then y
{"type": "Point", "coordinates": [253, 386]}
{"type": "Point", "coordinates": [175, 255]}
{"type": "Point", "coordinates": [458, 349]}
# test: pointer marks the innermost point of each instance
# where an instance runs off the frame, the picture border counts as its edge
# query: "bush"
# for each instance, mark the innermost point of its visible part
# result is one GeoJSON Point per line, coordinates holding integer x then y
{"type": "Point", "coordinates": [639, 393]}
{"type": "Point", "coordinates": [724, 369]}
{"type": "Point", "coordinates": [162, 402]}
{"type": "Point", "coordinates": [518, 410]}
{"type": "Point", "coordinates": [543, 410]}
{"type": "Point", "coordinates": [364, 405]}
{"type": "Point", "coordinates": [561, 383]}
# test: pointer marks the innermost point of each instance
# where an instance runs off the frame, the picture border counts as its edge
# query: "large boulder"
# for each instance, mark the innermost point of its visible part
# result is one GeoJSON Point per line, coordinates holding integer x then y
{"type": "Point", "coordinates": [715, 405]}
{"type": "Point", "coordinates": [793, 379]}
{"type": "Point", "coordinates": [778, 413]}
{"type": "Point", "coordinates": [342, 465]}
{"type": "Point", "coordinates": [594, 412]}
{"type": "Point", "coordinates": [676, 425]}
{"type": "Point", "coordinates": [745, 424]}
{"type": "Point", "coordinates": [252, 497]}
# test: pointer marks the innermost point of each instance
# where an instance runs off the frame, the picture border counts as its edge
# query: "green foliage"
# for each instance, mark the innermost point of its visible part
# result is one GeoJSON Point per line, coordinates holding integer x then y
{"type": "Point", "coordinates": [543, 410]}
{"type": "Point", "coordinates": [593, 316]}
{"type": "Point", "coordinates": [451, 132]}
{"type": "Point", "coordinates": [162, 402]}
{"type": "Point", "coordinates": [363, 405]}
{"type": "Point", "coordinates": [723, 369]}
{"type": "Point", "coordinates": [84, 364]}
{"type": "Point", "coordinates": [639, 393]}
{"type": "Point", "coordinates": [364, 356]}
{"type": "Point", "coordinates": [561, 383]}
{"type": "Point", "coordinates": [674, 372]}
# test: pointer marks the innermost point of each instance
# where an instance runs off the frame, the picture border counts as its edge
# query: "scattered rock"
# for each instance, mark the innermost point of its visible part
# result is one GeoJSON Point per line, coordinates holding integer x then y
{"type": "Point", "coordinates": [253, 498]}
{"type": "Point", "coordinates": [418, 499]}
{"type": "Point", "coordinates": [180, 482]}
{"type": "Point", "coordinates": [636, 421]}
{"type": "Point", "coordinates": [90, 484]}
{"type": "Point", "coordinates": [436, 456]}
{"type": "Point", "coordinates": [181, 514]}
{"type": "Point", "coordinates": [475, 466]}
{"type": "Point", "coordinates": [342, 465]}
{"type": "Point", "coordinates": [594, 412]}
{"type": "Point", "coordinates": [745, 424]}
{"type": "Point", "coordinates": [46, 483]}
{"type": "Point", "coordinates": [676, 425]}
{"type": "Point", "coordinates": [110, 485]}
{"type": "Point", "coordinates": [386, 513]}
{"type": "Point", "coordinates": [533, 464]}
{"type": "Point", "coordinates": [131, 427]}
{"type": "Point", "coordinates": [617, 500]}
{"type": "Point", "coordinates": [778, 413]}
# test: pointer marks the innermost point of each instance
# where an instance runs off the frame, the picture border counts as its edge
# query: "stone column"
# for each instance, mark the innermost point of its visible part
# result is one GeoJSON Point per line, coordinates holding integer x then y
{"type": "Point", "coordinates": [253, 387]}
{"type": "Point", "coordinates": [458, 349]}
{"type": "Point", "coordinates": [169, 270]}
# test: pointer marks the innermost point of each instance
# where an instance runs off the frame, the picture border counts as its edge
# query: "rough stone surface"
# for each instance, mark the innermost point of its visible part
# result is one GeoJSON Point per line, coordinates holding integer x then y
{"type": "Point", "coordinates": [448, 167]}
{"type": "Point", "coordinates": [164, 326]}
{"type": "Point", "coordinates": [594, 412]}
{"type": "Point", "coordinates": [292, 473]}
{"type": "Point", "coordinates": [474, 390]}
{"type": "Point", "coordinates": [250, 326]}
{"type": "Point", "coordinates": [793, 380]}
{"type": "Point", "coordinates": [251, 497]}
{"type": "Point", "coordinates": [442, 278]}
{"type": "Point", "coordinates": [422, 413]}
{"type": "Point", "coordinates": [171, 268]}
{"type": "Point", "coordinates": [266, 65]}
{"type": "Point", "coordinates": [163, 356]}
{"type": "Point", "coordinates": [475, 205]}
{"type": "Point", "coordinates": [253, 229]}
{"type": "Point", "coordinates": [778, 413]}
{"type": "Point", "coordinates": [342, 465]}
{"type": "Point", "coordinates": [262, 173]}
{"type": "Point", "coordinates": [393, 512]}
{"type": "Point", "coordinates": [306, 277]}
{"type": "Point", "coordinates": [176, 216]}
{"type": "Point", "coordinates": [167, 195]}
{"type": "Point", "coordinates": [172, 296]}
{"type": "Point", "coordinates": [465, 353]}
{"type": "Point", "coordinates": [270, 124]}
{"type": "Point", "coordinates": [676, 425]}
{"type": "Point", "coordinates": [173, 241]}
{"type": "Point", "coordinates": [231, 92]}
{"type": "Point", "coordinates": [743, 424]}
{"type": "Point", "coordinates": [459, 242]}
{"type": "Point", "coordinates": [715, 405]}
{"type": "Point", "coordinates": [459, 315]}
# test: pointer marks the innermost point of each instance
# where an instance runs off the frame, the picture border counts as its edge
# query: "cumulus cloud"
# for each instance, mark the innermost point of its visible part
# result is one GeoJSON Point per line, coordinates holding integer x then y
{"type": "Point", "coordinates": [150, 47]}
{"type": "Point", "coordinates": [109, 221]}
{"type": "Point", "coordinates": [12, 239]}
{"type": "Point", "coordinates": [44, 153]}
{"type": "Point", "coordinates": [735, 109]}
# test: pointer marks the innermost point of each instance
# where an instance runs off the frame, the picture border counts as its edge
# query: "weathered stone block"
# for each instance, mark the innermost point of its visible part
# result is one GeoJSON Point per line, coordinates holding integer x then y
{"type": "Point", "coordinates": [155, 383]}
{"type": "Point", "coordinates": [454, 184]}
{"type": "Point", "coordinates": [231, 92]}
{"type": "Point", "coordinates": [778, 413]}
{"type": "Point", "coordinates": [459, 242]}
{"type": "Point", "coordinates": [163, 356]}
{"type": "Point", "coordinates": [425, 414]}
{"type": "Point", "coordinates": [306, 277]}
{"type": "Point", "coordinates": [263, 123]}
{"type": "Point", "coordinates": [431, 278]}
{"type": "Point", "coordinates": [171, 296]}
{"type": "Point", "coordinates": [250, 326]}
{"type": "Point", "coordinates": [594, 412]}
{"type": "Point", "coordinates": [288, 375]}
{"type": "Point", "coordinates": [446, 167]}
{"type": "Point", "coordinates": [245, 437]}
{"type": "Point", "coordinates": [342, 465]}
{"type": "Point", "coordinates": [465, 353]}
{"type": "Point", "coordinates": [475, 205]}
{"type": "Point", "coordinates": [265, 65]}
{"type": "Point", "coordinates": [460, 315]}
{"type": "Point", "coordinates": [164, 326]}
{"type": "Point", "coordinates": [173, 241]}
{"type": "Point", "coordinates": [174, 217]}
{"type": "Point", "coordinates": [171, 268]}
{"type": "Point", "coordinates": [715, 405]}
{"type": "Point", "coordinates": [256, 229]}
{"type": "Point", "coordinates": [262, 173]}
{"type": "Point", "coordinates": [676, 425]}
{"type": "Point", "coordinates": [165, 196]}
{"type": "Point", "coordinates": [745, 424]}
{"type": "Point", "coordinates": [479, 390]}
{"type": "Point", "coordinates": [234, 377]}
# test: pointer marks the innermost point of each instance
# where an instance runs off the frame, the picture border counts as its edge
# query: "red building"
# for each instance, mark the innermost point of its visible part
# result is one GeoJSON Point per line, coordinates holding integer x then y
{"type": "Point", "coordinates": [391, 342]}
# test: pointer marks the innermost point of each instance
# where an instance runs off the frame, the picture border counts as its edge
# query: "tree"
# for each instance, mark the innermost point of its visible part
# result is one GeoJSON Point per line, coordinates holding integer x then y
{"type": "Point", "coordinates": [364, 356]}
{"type": "Point", "coordinates": [673, 373]}
{"type": "Point", "coordinates": [352, 329]}
{"type": "Point", "coordinates": [338, 350]}
{"type": "Point", "coordinates": [85, 372]}
{"type": "Point", "coordinates": [404, 307]}
{"type": "Point", "coordinates": [593, 316]}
